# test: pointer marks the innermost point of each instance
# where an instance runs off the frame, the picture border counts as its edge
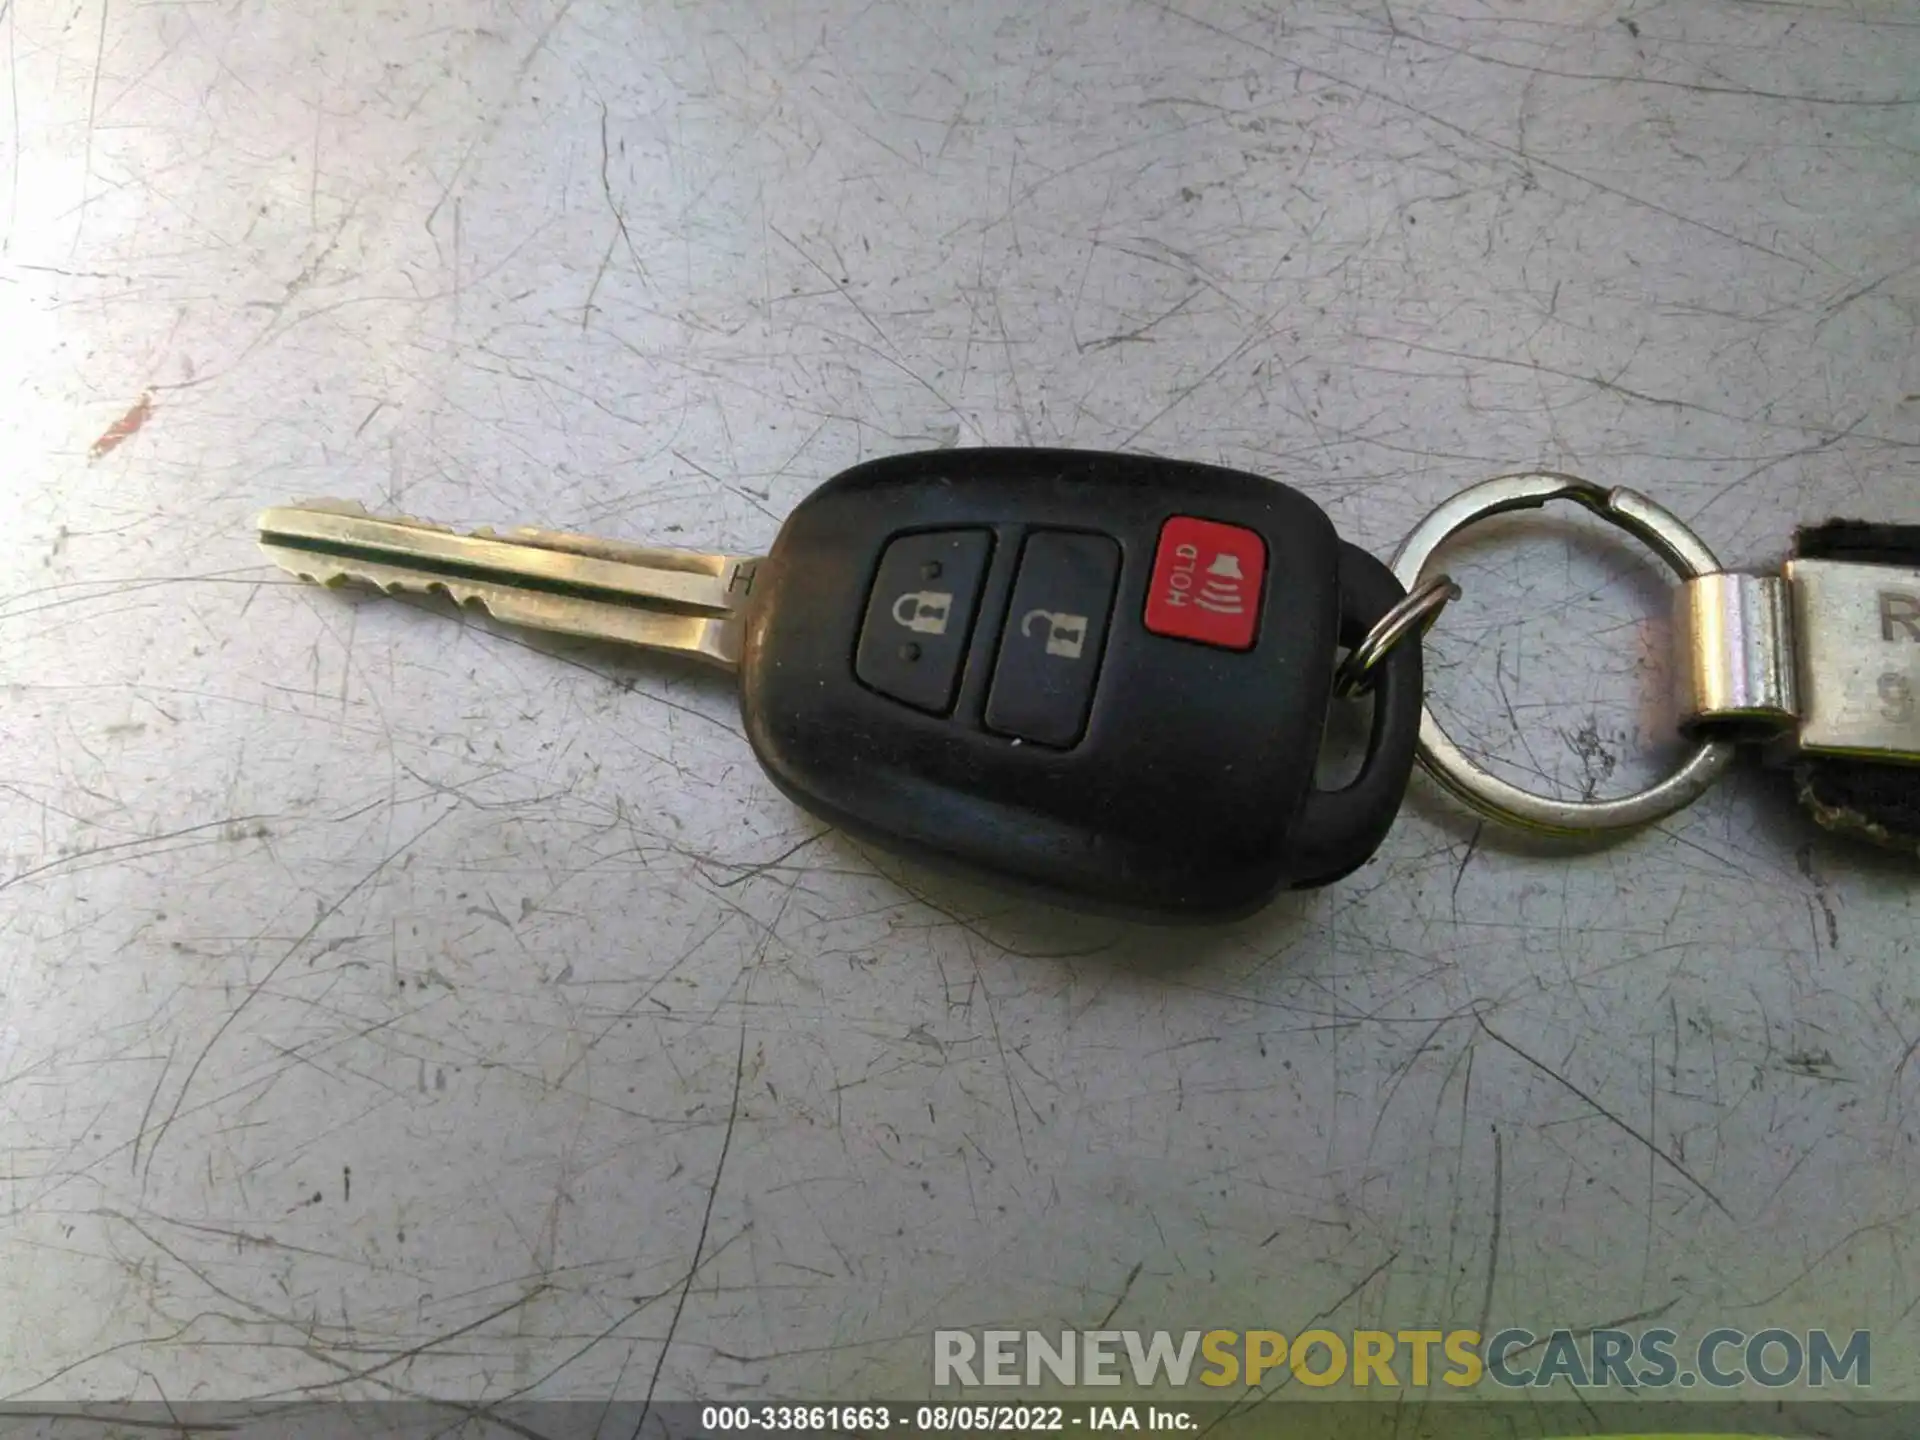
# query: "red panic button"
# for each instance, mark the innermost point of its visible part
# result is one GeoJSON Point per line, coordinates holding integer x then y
{"type": "Point", "coordinates": [1206, 583]}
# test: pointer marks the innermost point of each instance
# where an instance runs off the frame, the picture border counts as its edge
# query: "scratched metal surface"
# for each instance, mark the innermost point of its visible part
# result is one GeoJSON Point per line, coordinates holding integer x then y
{"type": "Point", "coordinates": [394, 1004]}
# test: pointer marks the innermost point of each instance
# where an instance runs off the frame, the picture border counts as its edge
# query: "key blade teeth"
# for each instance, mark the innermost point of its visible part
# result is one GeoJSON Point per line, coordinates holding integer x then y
{"type": "Point", "coordinates": [333, 574]}
{"type": "Point", "coordinates": [713, 638]}
{"type": "Point", "coordinates": [607, 571]}
{"type": "Point", "coordinates": [494, 602]}
{"type": "Point", "coordinates": [303, 565]}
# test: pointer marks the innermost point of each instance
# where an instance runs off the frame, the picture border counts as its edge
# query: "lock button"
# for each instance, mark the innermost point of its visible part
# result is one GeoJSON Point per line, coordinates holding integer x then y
{"type": "Point", "coordinates": [920, 616]}
{"type": "Point", "coordinates": [1055, 632]}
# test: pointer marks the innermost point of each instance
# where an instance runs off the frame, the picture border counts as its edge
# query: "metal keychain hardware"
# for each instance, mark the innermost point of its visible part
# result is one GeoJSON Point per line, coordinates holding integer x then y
{"type": "Point", "coordinates": [1409, 620]}
{"type": "Point", "coordinates": [1819, 661]}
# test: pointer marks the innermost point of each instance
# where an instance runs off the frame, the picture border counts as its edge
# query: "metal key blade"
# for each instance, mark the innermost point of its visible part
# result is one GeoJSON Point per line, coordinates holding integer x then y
{"type": "Point", "coordinates": [677, 600]}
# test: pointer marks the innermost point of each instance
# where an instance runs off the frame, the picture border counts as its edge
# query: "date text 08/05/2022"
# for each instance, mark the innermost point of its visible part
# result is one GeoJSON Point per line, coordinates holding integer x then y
{"type": "Point", "coordinates": [945, 1419]}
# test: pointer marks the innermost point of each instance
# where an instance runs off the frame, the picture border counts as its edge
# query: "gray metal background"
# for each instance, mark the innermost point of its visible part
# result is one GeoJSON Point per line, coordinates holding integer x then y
{"type": "Point", "coordinates": [396, 1004]}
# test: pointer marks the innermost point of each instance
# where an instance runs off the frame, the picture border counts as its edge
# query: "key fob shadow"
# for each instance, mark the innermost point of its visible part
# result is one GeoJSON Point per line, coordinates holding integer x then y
{"type": "Point", "coordinates": [1035, 925]}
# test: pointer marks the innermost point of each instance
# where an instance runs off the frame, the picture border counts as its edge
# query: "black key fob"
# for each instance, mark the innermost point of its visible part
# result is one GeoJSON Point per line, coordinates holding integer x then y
{"type": "Point", "coordinates": [1101, 677]}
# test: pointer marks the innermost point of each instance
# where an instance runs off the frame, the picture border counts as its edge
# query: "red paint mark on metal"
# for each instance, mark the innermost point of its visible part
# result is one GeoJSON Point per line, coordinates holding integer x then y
{"type": "Point", "coordinates": [123, 429]}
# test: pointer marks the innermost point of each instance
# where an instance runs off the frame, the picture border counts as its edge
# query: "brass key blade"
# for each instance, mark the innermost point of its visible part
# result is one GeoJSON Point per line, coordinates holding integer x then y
{"type": "Point", "coordinates": [661, 599]}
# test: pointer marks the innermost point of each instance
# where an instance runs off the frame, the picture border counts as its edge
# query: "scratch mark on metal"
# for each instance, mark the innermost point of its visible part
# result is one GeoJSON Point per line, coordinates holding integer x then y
{"type": "Point", "coordinates": [1606, 1114]}
{"type": "Point", "coordinates": [706, 1221]}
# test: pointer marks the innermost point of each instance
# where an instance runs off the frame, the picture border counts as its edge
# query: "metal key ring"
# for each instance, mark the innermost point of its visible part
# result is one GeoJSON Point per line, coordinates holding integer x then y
{"type": "Point", "coordinates": [1664, 534]}
{"type": "Point", "coordinates": [1409, 620]}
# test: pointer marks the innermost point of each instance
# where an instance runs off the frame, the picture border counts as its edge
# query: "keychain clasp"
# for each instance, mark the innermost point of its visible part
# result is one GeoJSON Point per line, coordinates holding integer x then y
{"type": "Point", "coordinates": [1824, 656]}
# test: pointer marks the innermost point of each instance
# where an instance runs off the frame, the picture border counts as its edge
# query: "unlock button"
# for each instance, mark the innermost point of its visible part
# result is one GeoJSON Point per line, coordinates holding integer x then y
{"type": "Point", "coordinates": [1056, 629]}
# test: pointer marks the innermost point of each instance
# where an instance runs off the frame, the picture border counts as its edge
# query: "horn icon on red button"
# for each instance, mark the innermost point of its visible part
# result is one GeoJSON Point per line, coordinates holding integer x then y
{"type": "Point", "coordinates": [1220, 588]}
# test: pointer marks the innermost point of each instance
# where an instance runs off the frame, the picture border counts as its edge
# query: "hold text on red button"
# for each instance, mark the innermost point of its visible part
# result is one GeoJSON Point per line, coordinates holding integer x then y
{"type": "Point", "coordinates": [1206, 583]}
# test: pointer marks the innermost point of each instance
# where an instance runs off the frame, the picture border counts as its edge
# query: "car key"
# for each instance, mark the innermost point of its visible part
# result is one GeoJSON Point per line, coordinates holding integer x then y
{"type": "Point", "coordinates": [1104, 678]}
